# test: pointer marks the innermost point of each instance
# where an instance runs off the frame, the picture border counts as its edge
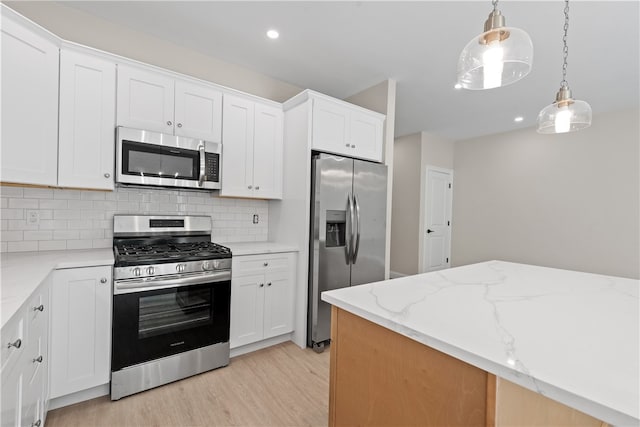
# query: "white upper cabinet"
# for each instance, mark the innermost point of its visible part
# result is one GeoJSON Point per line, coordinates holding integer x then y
{"type": "Point", "coordinates": [341, 128]}
{"type": "Point", "coordinates": [29, 106]}
{"type": "Point", "coordinates": [252, 149]}
{"type": "Point", "coordinates": [198, 111]}
{"type": "Point", "coordinates": [153, 101]}
{"type": "Point", "coordinates": [87, 121]}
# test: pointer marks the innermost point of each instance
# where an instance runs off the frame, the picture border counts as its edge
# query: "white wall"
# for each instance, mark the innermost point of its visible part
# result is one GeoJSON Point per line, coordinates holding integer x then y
{"type": "Point", "coordinates": [80, 27]}
{"type": "Point", "coordinates": [568, 201]}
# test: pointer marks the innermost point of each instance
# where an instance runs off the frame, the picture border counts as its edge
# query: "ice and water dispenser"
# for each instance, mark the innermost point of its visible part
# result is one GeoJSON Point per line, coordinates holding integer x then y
{"type": "Point", "coordinates": [336, 228]}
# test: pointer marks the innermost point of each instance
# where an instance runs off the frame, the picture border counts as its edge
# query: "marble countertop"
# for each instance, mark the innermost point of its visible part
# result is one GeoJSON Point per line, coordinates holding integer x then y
{"type": "Point", "coordinates": [571, 336]}
{"type": "Point", "coordinates": [22, 272]}
{"type": "Point", "coordinates": [255, 248]}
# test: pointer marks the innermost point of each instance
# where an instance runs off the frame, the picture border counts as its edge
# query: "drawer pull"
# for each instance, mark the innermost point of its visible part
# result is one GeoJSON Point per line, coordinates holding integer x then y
{"type": "Point", "coordinates": [38, 359]}
{"type": "Point", "coordinates": [269, 284]}
{"type": "Point", "coordinates": [261, 285]}
{"type": "Point", "coordinates": [39, 308]}
{"type": "Point", "coordinates": [37, 423]}
{"type": "Point", "coordinates": [17, 343]}
{"type": "Point", "coordinates": [266, 264]}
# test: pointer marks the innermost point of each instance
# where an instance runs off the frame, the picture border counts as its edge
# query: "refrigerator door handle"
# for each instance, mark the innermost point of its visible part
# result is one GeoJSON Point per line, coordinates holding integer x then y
{"type": "Point", "coordinates": [356, 247]}
{"type": "Point", "coordinates": [349, 231]}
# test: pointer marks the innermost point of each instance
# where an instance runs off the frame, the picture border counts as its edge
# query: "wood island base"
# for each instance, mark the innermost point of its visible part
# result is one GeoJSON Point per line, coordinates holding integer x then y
{"type": "Point", "coordinates": [379, 377]}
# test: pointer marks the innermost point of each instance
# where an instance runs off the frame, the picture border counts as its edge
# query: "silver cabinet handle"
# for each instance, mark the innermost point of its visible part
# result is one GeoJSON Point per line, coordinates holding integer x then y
{"type": "Point", "coordinates": [103, 280]}
{"type": "Point", "coordinates": [257, 187]}
{"type": "Point", "coordinates": [17, 343]}
{"type": "Point", "coordinates": [249, 187]}
{"type": "Point", "coordinates": [347, 145]}
{"type": "Point", "coordinates": [356, 248]}
{"type": "Point", "coordinates": [269, 284]}
{"type": "Point", "coordinates": [266, 264]}
{"type": "Point", "coordinates": [179, 125]}
{"type": "Point", "coordinates": [261, 285]}
{"type": "Point", "coordinates": [37, 423]}
{"type": "Point", "coordinates": [169, 122]}
{"type": "Point", "coordinates": [107, 175]}
{"type": "Point", "coordinates": [38, 359]}
{"type": "Point", "coordinates": [39, 308]}
{"type": "Point", "coordinates": [353, 146]}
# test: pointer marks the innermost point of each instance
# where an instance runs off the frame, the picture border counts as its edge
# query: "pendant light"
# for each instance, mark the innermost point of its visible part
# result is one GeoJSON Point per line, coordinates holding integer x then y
{"type": "Point", "coordinates": [497, 57]}
{"type": "Point", "coordinates": [565, 114]}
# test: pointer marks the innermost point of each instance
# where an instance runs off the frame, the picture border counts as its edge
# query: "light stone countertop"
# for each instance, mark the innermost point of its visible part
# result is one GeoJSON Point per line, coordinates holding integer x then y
{"type": "Point", "coordinates": [255, 248]}
{"type": "Point", "coordinates": [22, 272]}
{"type": "Point", "coordinates": [571, 336]}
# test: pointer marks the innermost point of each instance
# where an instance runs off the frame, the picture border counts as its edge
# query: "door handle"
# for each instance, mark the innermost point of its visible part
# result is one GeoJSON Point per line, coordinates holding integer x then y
{"type": "Point", "coordinates": [349, 234]}
{"type": "Point", "coordinates": [356, 248]}
{"type": "Point", "coordinates": [202, 164]}
{"type": "Point", "coordinates": [430, 231]}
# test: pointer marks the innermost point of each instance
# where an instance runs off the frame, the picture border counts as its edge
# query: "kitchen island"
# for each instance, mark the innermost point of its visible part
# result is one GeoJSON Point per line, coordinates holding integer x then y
{"type": "Point", "coordinates": [494, 343]}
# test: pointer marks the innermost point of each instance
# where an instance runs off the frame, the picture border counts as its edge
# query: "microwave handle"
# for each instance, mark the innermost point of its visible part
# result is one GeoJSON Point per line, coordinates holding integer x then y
{"type": "Point", "coordinates": [202, 164]}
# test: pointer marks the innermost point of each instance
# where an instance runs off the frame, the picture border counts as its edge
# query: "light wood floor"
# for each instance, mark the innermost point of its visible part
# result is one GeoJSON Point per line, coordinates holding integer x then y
{"type": "Point", "coordinates": [278, 386]}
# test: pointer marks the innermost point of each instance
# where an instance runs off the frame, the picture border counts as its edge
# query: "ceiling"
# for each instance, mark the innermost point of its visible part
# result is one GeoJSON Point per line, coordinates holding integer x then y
{"type": "Point", "coordinates": [341, 48]}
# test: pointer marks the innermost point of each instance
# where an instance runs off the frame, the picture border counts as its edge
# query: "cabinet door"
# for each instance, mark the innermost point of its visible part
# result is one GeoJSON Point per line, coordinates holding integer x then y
{"type": "Point", "coordinates": [330, 127]}
{"type": "Point", "coordinates": [198, 111]}
{"type": "Point", "coordinates": [29, 106]}
{"type": "Point", "coordinates": [366, 136]}
{"type": "Point", "coordinates": [80, 329]}
{"type": "Point", "coordinates": [145, 100]}
{"type": "Point", "coordinates": [267, 152]}
{"type": "Point", "coordinates": [278, 303]}
{"type": "Point", "coordinates": [13, 389]}
{"type": "Point", "coordinates": [247, 309]}
{"type": "Point", "coordinates": [237, 147]}
{"type": "Point", "coordinates": [87, 121]}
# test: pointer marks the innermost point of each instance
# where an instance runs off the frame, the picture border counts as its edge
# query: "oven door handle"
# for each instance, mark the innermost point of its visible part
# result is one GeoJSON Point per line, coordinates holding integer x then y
{"type": "Point", "coordinates": [172, 281]}
{"type": "Point", "coordinates": [203, 164]}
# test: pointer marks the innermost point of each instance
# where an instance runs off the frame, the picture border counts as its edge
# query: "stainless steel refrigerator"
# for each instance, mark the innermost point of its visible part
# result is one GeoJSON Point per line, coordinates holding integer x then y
{"type": "Point", "coordinates": [347, 241]}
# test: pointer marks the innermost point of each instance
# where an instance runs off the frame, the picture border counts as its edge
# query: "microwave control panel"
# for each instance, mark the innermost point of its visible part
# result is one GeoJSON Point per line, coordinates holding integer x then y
{"type": "Point", "coordinates": [212, 167]}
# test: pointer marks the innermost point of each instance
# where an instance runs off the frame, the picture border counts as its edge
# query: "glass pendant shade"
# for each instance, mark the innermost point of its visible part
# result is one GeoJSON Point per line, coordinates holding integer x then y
{"type": "Point", "coordinates": [498, 57]}
{"type": "Point", "coordinates": [564, 115]}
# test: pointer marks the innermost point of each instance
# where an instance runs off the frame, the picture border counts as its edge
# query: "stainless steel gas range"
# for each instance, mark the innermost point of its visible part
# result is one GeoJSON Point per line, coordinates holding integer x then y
{"type": "Point", "coordinates": [171, 302]}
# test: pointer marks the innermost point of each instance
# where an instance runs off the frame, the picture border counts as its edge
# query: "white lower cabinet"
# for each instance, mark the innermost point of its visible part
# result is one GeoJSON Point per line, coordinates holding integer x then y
{"type": "Point", "coordinates": [25, 362]}
{"type": "Point", "coordinates": [80, 329]}
{"type": "Point", "coordinates": [262, 297]}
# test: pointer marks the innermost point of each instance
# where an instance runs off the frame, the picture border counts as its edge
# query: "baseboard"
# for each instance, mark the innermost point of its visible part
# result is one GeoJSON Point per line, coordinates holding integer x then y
{"type": "Point", "coordinates": [80, 396]}
{"type": "Point", "coordinates": [260, 345]}
{"type": "Point", "coordinates": [395, 275]}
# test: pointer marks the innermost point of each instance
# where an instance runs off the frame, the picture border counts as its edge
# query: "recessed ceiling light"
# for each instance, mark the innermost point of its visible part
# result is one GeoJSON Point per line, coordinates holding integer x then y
{"type": "Point", "coordinates": [518, 119]}
{"type": "Point", "coordinates": [273, 34]}
{"type": "Point", "coordinates": [457, 86]}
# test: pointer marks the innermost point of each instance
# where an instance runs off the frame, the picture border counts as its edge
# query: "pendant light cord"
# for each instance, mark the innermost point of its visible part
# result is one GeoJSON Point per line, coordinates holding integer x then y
{"type": "Point", "coordinates": [495, 5]}
{"type": "Point", "coordinates": [565, 51]}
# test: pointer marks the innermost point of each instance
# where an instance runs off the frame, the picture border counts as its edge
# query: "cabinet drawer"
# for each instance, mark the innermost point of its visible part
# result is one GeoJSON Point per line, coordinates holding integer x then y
{"type": "Point", "coordinates": [14, 332]}
{"type": "Point", "coordinates": [251, 264]}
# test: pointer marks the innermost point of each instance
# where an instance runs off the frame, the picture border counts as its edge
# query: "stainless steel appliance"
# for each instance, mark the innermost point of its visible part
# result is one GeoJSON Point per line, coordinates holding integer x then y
{"type": "Point", "coordinates": [348, 210]}
{"type": "Point", "coordinates": [171, 302]}
{"type": "Point", "coordinates": [152, 158]}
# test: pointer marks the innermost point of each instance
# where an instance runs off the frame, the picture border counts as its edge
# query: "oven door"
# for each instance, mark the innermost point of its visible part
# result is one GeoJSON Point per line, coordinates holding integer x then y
{"type": "Point", "coordinates": [156, 323]}
{"type": "Point", "coordinates": [151, 158]}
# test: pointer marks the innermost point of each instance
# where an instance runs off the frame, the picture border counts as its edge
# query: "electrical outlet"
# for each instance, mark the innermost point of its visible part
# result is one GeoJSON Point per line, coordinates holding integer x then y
{"type": "Point", "coordinates": [33, 217]}
{"type": "Point", "coordinates": [255, 218]}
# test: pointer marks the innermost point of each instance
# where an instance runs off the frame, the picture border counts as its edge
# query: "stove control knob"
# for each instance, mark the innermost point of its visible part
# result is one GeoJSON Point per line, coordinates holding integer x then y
{"type": "Point", "coordinates": [150, 271]}
{"type": "Point", "coordinates": [180, 268]}
{"type": "Point", "coordinates": [136, 271]}
{"type": "Point", "coordinates": [206, 265]}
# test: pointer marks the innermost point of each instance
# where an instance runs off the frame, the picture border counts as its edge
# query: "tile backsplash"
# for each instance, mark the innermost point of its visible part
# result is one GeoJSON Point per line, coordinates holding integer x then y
{"type": "Point", "coordinates": [78, 219]}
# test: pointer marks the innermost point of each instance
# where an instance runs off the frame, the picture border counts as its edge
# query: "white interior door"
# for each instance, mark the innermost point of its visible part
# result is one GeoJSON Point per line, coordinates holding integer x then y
{"type": "Point", "coordinates": [437, 223]}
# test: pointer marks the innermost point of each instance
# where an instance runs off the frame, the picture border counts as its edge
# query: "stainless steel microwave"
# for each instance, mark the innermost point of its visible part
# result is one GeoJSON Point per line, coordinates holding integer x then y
{"type": "Point", "coordinates": [153, 158]}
